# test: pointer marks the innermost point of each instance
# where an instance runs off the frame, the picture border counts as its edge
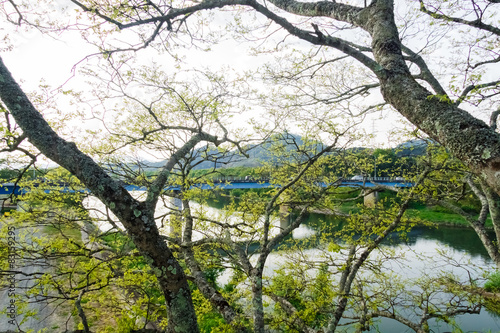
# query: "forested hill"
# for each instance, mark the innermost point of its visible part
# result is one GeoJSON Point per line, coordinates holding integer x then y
{"type": "Point", "coordinates": [411, 148]}
{"type": "Point", "coordinates": [208, 158]}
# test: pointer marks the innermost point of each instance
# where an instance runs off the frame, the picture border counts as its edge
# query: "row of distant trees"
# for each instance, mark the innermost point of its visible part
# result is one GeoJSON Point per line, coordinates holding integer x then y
{"type": "Point", "coordinates": [382, 162]}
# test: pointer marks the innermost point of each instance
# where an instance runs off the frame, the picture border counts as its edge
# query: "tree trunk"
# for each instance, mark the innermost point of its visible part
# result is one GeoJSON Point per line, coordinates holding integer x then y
{"type": "Point", "coordinates": [208, 291]}
{"type": "Point", "coordinates": [488, 244]}
{"type": "Point", "coordinates": [466, 137]}
{"type": "Point", "coordinates": [138, 221]}
{"type": "Point", "coordinates": [257, 304]}
{"type": "Point", "coordinates": [494, 207]}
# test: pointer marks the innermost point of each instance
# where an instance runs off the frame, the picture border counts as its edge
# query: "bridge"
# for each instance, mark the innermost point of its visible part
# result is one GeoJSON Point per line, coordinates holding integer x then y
{"type": "Point", "coordinates": [229, 183]}
{"type": "Point", "coordinates": [370, 199]}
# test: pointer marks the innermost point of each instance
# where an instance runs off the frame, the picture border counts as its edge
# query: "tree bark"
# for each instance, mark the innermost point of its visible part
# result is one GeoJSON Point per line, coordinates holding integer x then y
{"type": "Point", "coordinates": [479, 228]}
{"type": "Point", "coordinates": [137, 220]}
{"type": "Point", "coordinates": [467, 138]}
{"type": "Point", "coordinates": [81, 313]}
{"type": "Point", "coordinates": [494, 207]}
{"type": "Point", "coordinates": [208, 291]}
{"type": "Point", "coordinates": [257, 302]}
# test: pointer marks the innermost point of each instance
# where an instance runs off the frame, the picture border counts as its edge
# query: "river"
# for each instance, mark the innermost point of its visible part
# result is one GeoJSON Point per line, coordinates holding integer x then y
{"type": "Point", "coordinates": [424, 251]}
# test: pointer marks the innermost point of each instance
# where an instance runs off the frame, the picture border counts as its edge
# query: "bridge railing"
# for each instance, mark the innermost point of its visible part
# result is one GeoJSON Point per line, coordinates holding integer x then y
{"type": "Point", "coordinates": [376, 179]}
{"type": "Point", "coordinates": [7, 188]}
{"type": "Point", "coordinates": [249, 179]}
{"type": "Point", "coordinates": [246, 179]}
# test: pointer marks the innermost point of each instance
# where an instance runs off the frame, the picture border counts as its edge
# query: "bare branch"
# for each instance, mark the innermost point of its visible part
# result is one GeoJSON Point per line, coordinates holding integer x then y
{"type": "Point", "coordinates": [492, 61]}
{"type": "Point", "coordinates": [476, 23]}
{"type": "Point", "coordinates": [397, 317]}
{"type": "Point", "coordinates": [474, 87]}
{"type": "Point", "coordinates": [96, 12]}
{"type": "Point", "coordinates": [20, 18]}
{"type": "Point", "coordinates": [482, 198]}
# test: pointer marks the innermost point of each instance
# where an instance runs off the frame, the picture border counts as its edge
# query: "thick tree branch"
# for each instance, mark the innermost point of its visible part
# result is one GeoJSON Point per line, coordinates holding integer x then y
{"type": "Point", "coordinates": [494, 207]}
{"type": "Point", "coordinates": [138, 221]}
{"type": "Point", "coordinates": [424, 70]}
{"type": "Point", "coordinates": [478, 227]}
{"type": "Point", "coordinates": [157, 186]}
{"type": "Point", "coordinates": [417, 328]}
{"type": "Point", "coordinates": [331, 9]}
{"type": "Point", "coordinates": [81, 313]}
{"type": "Point", "coordinates": [494, 119]}
{"type": "Point", "coordinates": [57, 149]}
{"type": "Point", "coordinates": [492, 61]}
{"type": "Point", "coordinates": [340, 12]}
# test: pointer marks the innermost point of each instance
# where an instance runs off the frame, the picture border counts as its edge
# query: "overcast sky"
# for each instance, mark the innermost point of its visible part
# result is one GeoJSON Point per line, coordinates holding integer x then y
{"type": "Point", "coordinates": [36, 57]}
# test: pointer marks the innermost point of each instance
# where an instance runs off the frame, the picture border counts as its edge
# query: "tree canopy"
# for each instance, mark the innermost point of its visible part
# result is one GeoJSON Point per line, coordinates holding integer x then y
{"type": "Point", "coordinates": [348, 59]}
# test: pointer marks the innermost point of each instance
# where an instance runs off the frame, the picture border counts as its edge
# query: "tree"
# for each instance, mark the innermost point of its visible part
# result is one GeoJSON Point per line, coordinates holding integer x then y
{"type": "Point", "coordinates": [424, 102]}
{"type": "Point", "coordinates": [205, 110]}
{"type": "Point", "coordinates": [104, 262]}
{"type": "Point", "coordinates": [417, 94]}
{"type": "Point", "coordinates": [137, 217]}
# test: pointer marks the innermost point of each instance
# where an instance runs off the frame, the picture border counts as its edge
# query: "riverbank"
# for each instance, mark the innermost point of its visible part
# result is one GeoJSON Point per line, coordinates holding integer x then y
{"type": "Point", "coordinates": [420, 212]}
{"type": "Point", "coordinates": [421, 217]}
{"type": "Point", "coordinates": [424, 216]}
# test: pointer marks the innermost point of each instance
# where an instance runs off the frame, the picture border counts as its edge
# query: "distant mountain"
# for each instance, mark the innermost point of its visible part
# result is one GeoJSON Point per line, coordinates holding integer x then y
{"type": "Point", "coordinates": [412, 148]}
{"type": "Point", "coordinates": [210, 157]}
{"type": "Point", "coordinates": [257, 153]}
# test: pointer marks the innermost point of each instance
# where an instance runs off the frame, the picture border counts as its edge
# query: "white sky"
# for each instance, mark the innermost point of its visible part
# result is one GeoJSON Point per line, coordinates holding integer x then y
{"type": "Point", "coordinates": [37, 57]}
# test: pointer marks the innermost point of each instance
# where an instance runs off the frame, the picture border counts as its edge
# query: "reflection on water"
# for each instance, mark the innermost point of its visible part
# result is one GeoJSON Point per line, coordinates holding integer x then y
{"type": "Point", "coordinates": [457, 238]}
{"type": "Point", "coordinates": [462, 239]}
{"type": "Point", "coordinates": [421, 248]}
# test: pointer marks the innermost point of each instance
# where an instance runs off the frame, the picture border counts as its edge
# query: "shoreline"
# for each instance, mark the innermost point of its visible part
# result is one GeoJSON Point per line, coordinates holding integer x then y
{"type": "Point", "coordinates": [329, 212]}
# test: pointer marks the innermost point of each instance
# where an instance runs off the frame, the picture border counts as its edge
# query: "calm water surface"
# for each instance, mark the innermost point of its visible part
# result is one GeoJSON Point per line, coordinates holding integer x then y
{"type": "Point", "coordinates": [422, 249]}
